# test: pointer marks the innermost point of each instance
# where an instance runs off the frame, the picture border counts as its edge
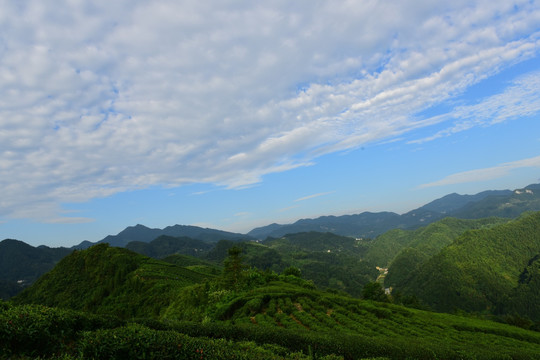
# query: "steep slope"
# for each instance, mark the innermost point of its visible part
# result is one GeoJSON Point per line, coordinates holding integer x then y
{"type": "Point", "coordinates": [428, 239]}
{"type": "Point", "coordinates": [481, 269]}
{"type": "Point", "coordinates": [21, 264]}
{"type": "Point", "coordinates": [452, 202]}
{"type": "Point", "coordinates": [508, 205]}
{"type": "Point", "coordinates": [111, 280]}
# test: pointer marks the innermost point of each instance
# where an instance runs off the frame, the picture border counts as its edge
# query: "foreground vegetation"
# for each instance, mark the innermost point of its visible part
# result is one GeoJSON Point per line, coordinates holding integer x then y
{"type": "Point", "coordinates": [374, 331]}
{"type": "Point", "coordinates": [243, 313]}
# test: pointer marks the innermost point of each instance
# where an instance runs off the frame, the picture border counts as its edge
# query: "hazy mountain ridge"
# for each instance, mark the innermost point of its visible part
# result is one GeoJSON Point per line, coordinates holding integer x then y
{"type": "Point", "coordinates": [491, 203]}
{"type": "Point", "coordinates": [454, 201]}
{"type": "Point", "coordinates": [145, 234]}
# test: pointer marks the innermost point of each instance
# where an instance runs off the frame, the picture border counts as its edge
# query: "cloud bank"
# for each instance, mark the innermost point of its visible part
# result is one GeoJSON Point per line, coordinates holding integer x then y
{"type": "Point", "coordinates": [103, 97]}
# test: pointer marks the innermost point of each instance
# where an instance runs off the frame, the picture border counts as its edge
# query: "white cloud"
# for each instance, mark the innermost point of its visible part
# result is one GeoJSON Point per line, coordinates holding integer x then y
{"type": "Point", "coordinates": [314, 196]}
{"type": "Point", "coordinates": [485, 174]}
{"type": "Point", "coordinates": [242, 214]}
{"type": "Point", "coordinates": [520, 99]}
{"type": "Point", "coordinates": [288, 208]}
{"type": "Point", "coordinates": [103, 97]}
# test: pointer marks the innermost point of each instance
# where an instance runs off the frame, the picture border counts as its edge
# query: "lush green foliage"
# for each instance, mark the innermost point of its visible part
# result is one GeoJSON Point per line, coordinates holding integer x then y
{"type": "Point", "coordinates": [167, 245]}
{"type": "Point", "coordinates": [22, 264]}
{"type": "Point", "coordinates": [110, 280]}
{"type": "Point", "coordinates": [34, 330]}
{"type": "Point", "coordinates": [428, 240]}
{"type": "Point", "coordinates": [331, 261]}
{"type": "Point", "coordinates": [195, 264]}
{"type": "Point", "coordinates": [264, 316]}
{"type": "Point", "coordinates": [316, 241]}
{"type": "Point", "coordinates": [325, 327]}
{"type": "Point", "coordinates": [491, 270]}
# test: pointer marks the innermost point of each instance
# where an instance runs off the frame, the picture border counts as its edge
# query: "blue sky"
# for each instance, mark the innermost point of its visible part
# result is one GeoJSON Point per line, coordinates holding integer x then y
{"type": "Point", "coordinates": [233, 115]}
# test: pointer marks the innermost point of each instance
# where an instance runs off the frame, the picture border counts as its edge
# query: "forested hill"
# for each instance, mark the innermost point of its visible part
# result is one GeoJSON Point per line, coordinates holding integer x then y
{"type": "Point", "coordinates": [427, 240]}
{"type": "Point", "coordinates": [165, 245]}
{"type": "Point", "coordinates": [111, 280]}
{"type": "Point", "coordinates": [21, 264]}
{"type": "Point", "coordinates": [494, 270]}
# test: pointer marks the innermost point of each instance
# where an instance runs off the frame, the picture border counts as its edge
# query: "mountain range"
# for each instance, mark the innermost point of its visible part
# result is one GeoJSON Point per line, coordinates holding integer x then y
{"type": "Point", "coordinates": [145, 234]}
{"type": "Point", "coordinates": [22, 264]}
{"type": "Point", "coordinates": [316, 291]}
{"type": "Point", "coordinates": [498, 203]}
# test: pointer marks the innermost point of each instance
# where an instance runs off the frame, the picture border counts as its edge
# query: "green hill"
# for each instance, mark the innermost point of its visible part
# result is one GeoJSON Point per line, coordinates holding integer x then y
{"type": "Point", "coordinates": [329, 260]}
{"type": "Point", "coordinates": [22, 264]}
{"type": "Point", "coordinates": [165, 245]}
{"type": "Point", "coordinates": [195, 264]}
{"type": "Point", "coordinates": [428, 239]}
{"type": "Point", "coordinates": [485, 270]}
{"type": "Point", "coordinates": [104, 279]}
{"type": "Point", "coordinates": [316, 241]}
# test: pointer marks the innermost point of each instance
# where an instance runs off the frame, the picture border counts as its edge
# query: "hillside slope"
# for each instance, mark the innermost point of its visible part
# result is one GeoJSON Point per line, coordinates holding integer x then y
{"type": "Point", "coordinates": [104, 279]}
{"type": "Point", "coordinates": [22, 264]}
{"type": "Point", "coordinates": [164, 245]}
{"type": "Point", "coordinates": [482, 270]}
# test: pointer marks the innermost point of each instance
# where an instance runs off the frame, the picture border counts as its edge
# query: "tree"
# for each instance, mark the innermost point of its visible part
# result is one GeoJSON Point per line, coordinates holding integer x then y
{"type": "Point", "coordinates": [374, 291]}
{"type": "Point", "coordinates": [233, 272]}
{"type": "Point", "coordinates": [294, 271]}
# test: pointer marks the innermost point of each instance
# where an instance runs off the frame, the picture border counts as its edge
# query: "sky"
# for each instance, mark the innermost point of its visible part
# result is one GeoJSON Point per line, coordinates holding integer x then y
{"type": "Point", "coordinates": [238, 114]}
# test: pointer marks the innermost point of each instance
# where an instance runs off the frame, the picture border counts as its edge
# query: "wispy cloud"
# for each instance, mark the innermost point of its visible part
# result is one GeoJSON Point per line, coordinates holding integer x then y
{"type": "Point", "coordinates": [242, 214]}
{"type": "Point", "coordinates": [521, 98]}
{"type": "Point", "coordinates": [288, 208]}
{"type": "Point", "coordinates": [314, 196]}
{"type": "Point", "coordinates": [484, 174]}
{"type": "Point", "coordinates": [115, 96]}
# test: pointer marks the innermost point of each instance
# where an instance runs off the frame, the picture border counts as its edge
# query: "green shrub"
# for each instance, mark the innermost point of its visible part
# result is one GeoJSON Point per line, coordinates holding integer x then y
{"type": "Point", "coordinates": [34, 330]}
{"type": "Point", "coordinates": [139, 342]}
